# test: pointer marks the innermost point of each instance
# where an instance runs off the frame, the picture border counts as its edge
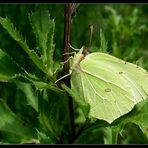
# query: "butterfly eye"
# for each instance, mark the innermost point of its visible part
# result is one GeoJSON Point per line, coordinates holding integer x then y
{"type": "Point", "coordinates": [85, 51]}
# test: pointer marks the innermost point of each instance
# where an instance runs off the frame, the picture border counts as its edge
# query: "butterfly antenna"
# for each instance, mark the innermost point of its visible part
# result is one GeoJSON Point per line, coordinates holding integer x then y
{"type": "Point", "coordinates": [73, 47]}
{"type": "Point", "coordinates": [69, 53]}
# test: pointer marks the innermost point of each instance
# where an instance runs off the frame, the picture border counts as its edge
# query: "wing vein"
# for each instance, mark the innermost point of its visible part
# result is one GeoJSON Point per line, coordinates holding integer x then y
{"type": "Point", "coordinates": [103, 80]}
{"type": "Point", "coordinates": [95, 93]}
{"type": "Point", "coordinates": [134, 86]}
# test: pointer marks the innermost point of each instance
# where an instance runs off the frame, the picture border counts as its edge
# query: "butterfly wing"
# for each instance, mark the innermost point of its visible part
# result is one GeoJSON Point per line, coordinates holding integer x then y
{"type": "Point", "coordinates": [110, 86]}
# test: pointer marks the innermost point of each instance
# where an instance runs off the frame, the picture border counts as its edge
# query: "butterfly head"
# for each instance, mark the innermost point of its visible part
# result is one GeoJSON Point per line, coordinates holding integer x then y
{"type": "Point", "coordinates": [84, 51]}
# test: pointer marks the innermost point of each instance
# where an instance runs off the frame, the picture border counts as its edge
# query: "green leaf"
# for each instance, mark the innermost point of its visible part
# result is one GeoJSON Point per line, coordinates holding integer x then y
{"type": "Point", "coordinates": [51, 113]}
{"type": "Point", "coordinates": [110, 135]}
{"type": "Point", "coordinates": [103, 42]}
{"type": "Point", "coordinates": [28, 91]}
{"type": "Point", "coordinates": [137, 116]}
{"type": "Point", "coordinates": [43, 28]}
{"type": "Point", "coordinates": [12, 125]}
{"type": "Point", "coordinates": [141, 117]}
{"type": "Point", "coordinates": [115, 18]}
{"type": "Point", "coordinates": [8, 68]}
{"type": "Point", "coordinates": [8, 25]}
{"type": "Point", "coordinates": [43, 138]}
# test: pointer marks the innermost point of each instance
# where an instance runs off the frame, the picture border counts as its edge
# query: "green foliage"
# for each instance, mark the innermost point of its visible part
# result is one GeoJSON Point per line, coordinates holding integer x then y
{"type": "Point", "coordinates": [12, 127]}
{"type": "Point", "coordinates": [31, 97]}
{"type": "Point", "coordinates": [6, 23]}
{"type": "Point", "coordinates": [138, 116]}
{"type": "Point", "coordinates": [33, 109]}
{"type": "Point", "coordinates": [43, 28]}
{"type": "Point", "coordinates": [51, 113]}
{"type": "Point", "coordinates": [7, 73]}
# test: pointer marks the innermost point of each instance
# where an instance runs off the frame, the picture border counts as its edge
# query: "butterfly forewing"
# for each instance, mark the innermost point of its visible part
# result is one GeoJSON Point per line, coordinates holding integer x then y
{"type": "Point", "coordinates": [134, 76]}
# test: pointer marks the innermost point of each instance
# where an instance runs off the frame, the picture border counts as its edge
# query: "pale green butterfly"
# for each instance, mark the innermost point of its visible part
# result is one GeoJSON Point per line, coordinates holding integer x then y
{"type": "Point", "coordinates": [110, 86]}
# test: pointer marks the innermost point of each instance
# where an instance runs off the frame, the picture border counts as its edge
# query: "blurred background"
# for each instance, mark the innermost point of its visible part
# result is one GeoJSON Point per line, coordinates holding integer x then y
{"type": "Point", "coordinates": [125, 27]}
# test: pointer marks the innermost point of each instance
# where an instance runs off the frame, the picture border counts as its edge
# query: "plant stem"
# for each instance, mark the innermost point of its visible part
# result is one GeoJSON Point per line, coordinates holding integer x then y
{"type": "Point", "coordinates": [111, 136]}
{"type": "Point", "coordinates": [67, 27]}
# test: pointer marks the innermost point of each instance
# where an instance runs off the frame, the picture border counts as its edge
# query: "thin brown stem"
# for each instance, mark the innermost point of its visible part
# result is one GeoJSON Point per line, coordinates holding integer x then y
{"type": "Point", "coordinates": [91, 32]}
{"type": "Point", "coordinates": [67, 27]}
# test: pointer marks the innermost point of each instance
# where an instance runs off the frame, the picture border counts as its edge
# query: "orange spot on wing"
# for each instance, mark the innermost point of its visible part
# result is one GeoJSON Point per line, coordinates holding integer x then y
{"type": "Point", "coordinates": [107, 90]}
{"type": "Point", "coordinates": [120, 72]}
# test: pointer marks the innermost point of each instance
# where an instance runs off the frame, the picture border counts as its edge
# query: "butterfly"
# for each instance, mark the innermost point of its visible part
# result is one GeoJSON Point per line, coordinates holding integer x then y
{"type": "Point", "coordinates": [110, 86]}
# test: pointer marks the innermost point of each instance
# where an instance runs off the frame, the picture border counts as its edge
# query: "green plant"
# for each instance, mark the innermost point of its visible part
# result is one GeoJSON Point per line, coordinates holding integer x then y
{"type": "Point", "coordinates": [42, 111]}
